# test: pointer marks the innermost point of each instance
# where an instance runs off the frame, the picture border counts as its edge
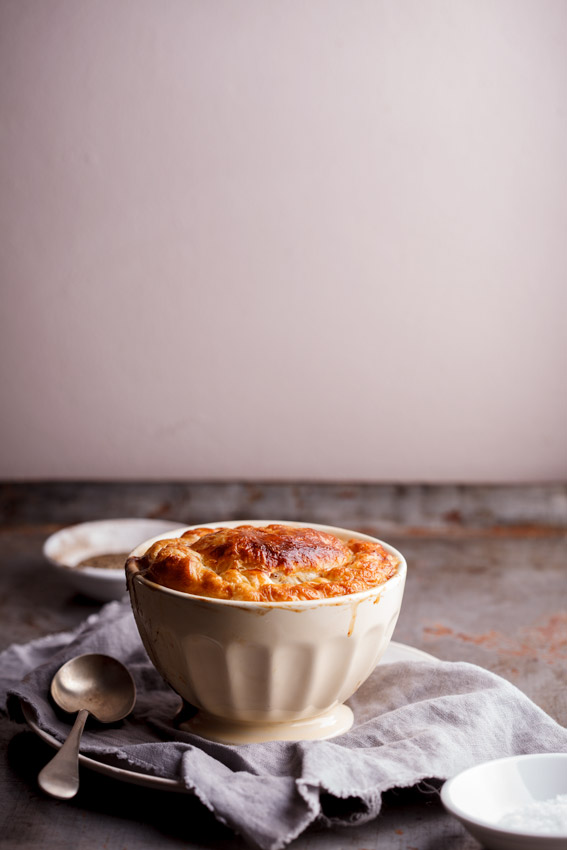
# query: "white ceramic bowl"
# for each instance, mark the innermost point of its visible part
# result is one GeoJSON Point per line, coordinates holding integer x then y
{"type": "Point", "coordinates": [262, 671]}
{"type": "Point", "coordinates": [68, 547]}
{"type": "Point", "coordinates": [481, 796]}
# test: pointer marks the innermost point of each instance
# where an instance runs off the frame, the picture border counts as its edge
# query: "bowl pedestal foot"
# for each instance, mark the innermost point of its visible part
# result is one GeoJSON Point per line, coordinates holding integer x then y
{"type": "Point", "coordinates": [331, 723]}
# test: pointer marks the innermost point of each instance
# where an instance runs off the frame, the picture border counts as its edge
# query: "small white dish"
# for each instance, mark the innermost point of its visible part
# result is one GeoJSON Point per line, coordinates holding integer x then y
{"type": "Point", "coordinates": [482, 796]}
{"type": "Point", "coordinates": [72, 545]}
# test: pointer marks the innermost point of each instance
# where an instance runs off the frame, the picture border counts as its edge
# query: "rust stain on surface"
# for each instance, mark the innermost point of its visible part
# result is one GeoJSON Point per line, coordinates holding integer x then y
{"type": "Point", "coordinates": [438, 630]}
{"type": "Point", "coordinates": [491, 532]}
{"type": "Point", "coordinates": [547, 642]}
{"type": "Point", "coordinates": [454, 517]}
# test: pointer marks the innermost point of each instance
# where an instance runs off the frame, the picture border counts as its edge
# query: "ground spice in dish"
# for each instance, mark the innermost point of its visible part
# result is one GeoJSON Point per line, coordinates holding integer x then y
{"type": "Point", "coordinates": [544, 817]}
{"type": "Point", "coordinates": [105, 561]}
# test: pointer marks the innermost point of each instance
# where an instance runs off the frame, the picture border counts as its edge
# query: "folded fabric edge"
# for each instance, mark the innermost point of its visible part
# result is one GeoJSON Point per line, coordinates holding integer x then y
{"type": "Point", "coordinates": [312, 813]}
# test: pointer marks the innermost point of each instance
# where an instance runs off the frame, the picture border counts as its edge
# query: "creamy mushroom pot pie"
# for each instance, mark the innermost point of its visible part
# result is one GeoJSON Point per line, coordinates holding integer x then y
{"type": "Point", "coordinates": [273, 563]}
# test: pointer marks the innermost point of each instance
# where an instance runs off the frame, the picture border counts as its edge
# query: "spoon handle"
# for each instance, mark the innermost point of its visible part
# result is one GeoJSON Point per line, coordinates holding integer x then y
{"type": "Point", "coordinates": [60, 776]}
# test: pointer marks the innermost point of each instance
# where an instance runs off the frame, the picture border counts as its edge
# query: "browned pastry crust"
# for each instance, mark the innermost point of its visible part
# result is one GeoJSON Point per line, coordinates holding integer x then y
{"type": "Point", "coordinates": [274, 563]}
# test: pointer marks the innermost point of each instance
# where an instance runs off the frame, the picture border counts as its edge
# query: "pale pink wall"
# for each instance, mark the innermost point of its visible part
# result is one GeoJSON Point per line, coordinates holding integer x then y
{"type": "Point", "coordinates": [270, 239]}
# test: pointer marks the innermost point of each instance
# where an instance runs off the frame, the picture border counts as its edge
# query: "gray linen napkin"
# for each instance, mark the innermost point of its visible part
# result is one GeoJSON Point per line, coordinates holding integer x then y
{"type": "Point", "coordinates": [413, 721]}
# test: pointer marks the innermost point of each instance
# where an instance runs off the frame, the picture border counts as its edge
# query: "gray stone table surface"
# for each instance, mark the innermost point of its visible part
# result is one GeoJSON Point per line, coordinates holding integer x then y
{"type": "Point", "coordinates": [487, 583]}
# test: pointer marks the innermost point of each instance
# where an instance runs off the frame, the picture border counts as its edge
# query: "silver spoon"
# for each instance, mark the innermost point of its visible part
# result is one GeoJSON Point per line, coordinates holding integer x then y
{"type": "Point", "coordinates": [95, 684]}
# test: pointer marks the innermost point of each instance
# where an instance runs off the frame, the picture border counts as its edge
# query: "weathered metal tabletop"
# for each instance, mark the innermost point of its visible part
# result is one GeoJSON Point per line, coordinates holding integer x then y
{"type": "Point", "coordinates": [487, 583]}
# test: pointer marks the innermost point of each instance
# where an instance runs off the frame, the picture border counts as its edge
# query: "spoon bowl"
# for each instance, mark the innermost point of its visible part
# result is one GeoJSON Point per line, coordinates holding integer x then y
{"type": "Point", "coordinates": [89, 684]}
{"type": "Point", "coordinates": [99, 683]}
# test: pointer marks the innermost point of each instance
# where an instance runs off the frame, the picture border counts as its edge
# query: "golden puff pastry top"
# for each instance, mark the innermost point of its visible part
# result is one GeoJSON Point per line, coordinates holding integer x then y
{"type": "Point", "coordinates": [274, 563]}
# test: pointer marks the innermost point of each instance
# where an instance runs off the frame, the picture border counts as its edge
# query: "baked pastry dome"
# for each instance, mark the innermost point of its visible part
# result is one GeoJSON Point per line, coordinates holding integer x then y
{"type": "Point", "coordinates": [273, 563]}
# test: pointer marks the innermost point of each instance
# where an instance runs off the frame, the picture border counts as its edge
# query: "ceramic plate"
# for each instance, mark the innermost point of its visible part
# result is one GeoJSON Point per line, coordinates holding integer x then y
{"type": "Point", "coordinates": [395, 652]}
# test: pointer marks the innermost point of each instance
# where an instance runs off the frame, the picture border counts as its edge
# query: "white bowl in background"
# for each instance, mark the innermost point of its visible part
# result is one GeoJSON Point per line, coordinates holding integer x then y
{"type": "Point", "coordinates": [260, 671]}
{"type": "Point", "coordinates": [482, 795]}
{"type": "Point", "coordinates": [68, 547]}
